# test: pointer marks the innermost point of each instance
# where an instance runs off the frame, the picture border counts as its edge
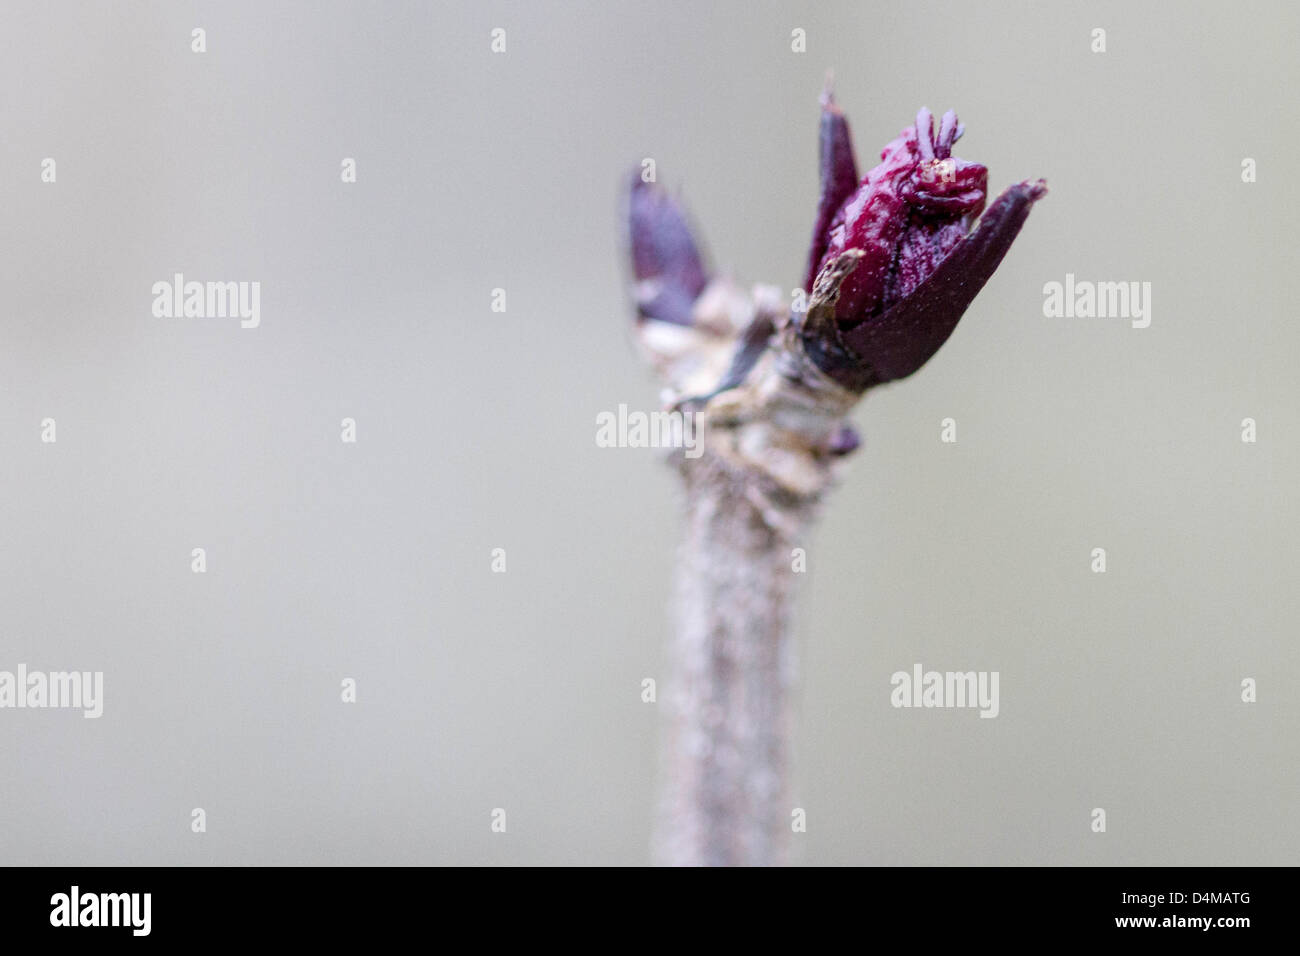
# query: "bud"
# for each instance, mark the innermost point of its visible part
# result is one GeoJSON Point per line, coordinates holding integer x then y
{"type": "Point", "coordinates": [903, 241]}
{"type": "Point", "coordinates": [906, 216]}
{"type": "Point", "coordinates": [666, 263]}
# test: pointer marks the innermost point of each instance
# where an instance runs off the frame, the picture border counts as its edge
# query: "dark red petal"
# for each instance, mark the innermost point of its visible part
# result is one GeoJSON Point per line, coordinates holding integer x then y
{"type": "Point", "coordinates": [839, 178]}
{"type": "Point", "coordinates": [925, 244]}
{"type": "Point", "coordinates": [666, 262]}
{"type": "Point", "coordinates": [901, 339]}
{"type": "Point", "coordinates": [875, 218]}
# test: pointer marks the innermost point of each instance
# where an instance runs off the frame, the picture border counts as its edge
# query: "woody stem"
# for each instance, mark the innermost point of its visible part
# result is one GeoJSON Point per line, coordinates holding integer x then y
{"type": "Point", "coordinates": [726, 749]}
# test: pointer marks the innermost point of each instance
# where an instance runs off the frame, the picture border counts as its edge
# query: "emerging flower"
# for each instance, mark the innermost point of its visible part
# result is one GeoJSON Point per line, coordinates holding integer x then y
{"type": "Point", "coordinates": [916, 266]}
{"type": "Point", "coordinates": [906, 216]}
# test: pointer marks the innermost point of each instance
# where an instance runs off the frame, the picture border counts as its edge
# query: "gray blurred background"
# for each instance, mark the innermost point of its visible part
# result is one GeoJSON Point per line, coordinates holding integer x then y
{"type": "Point", "coordinates": [476, 431]}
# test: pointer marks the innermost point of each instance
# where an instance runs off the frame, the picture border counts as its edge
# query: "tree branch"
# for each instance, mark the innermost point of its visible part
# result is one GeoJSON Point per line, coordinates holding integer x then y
{"type": "Point", "coordinates": [893, 265]}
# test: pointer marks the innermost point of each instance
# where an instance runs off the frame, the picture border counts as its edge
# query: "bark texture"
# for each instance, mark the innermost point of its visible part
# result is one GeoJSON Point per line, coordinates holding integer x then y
{"type": "Point", "coordinates": [769, 453]}
{"type": "Point", "coordinates": [725, 767]}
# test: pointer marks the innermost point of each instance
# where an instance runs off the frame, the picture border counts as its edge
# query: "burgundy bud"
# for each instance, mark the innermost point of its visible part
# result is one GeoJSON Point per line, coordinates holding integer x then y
{"type": "Point", "coordinates": [906, 215]}
{"type": "Point", "coordinates": [666, 262]}
{"type": "Point", "coordinates": [916, 266]}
